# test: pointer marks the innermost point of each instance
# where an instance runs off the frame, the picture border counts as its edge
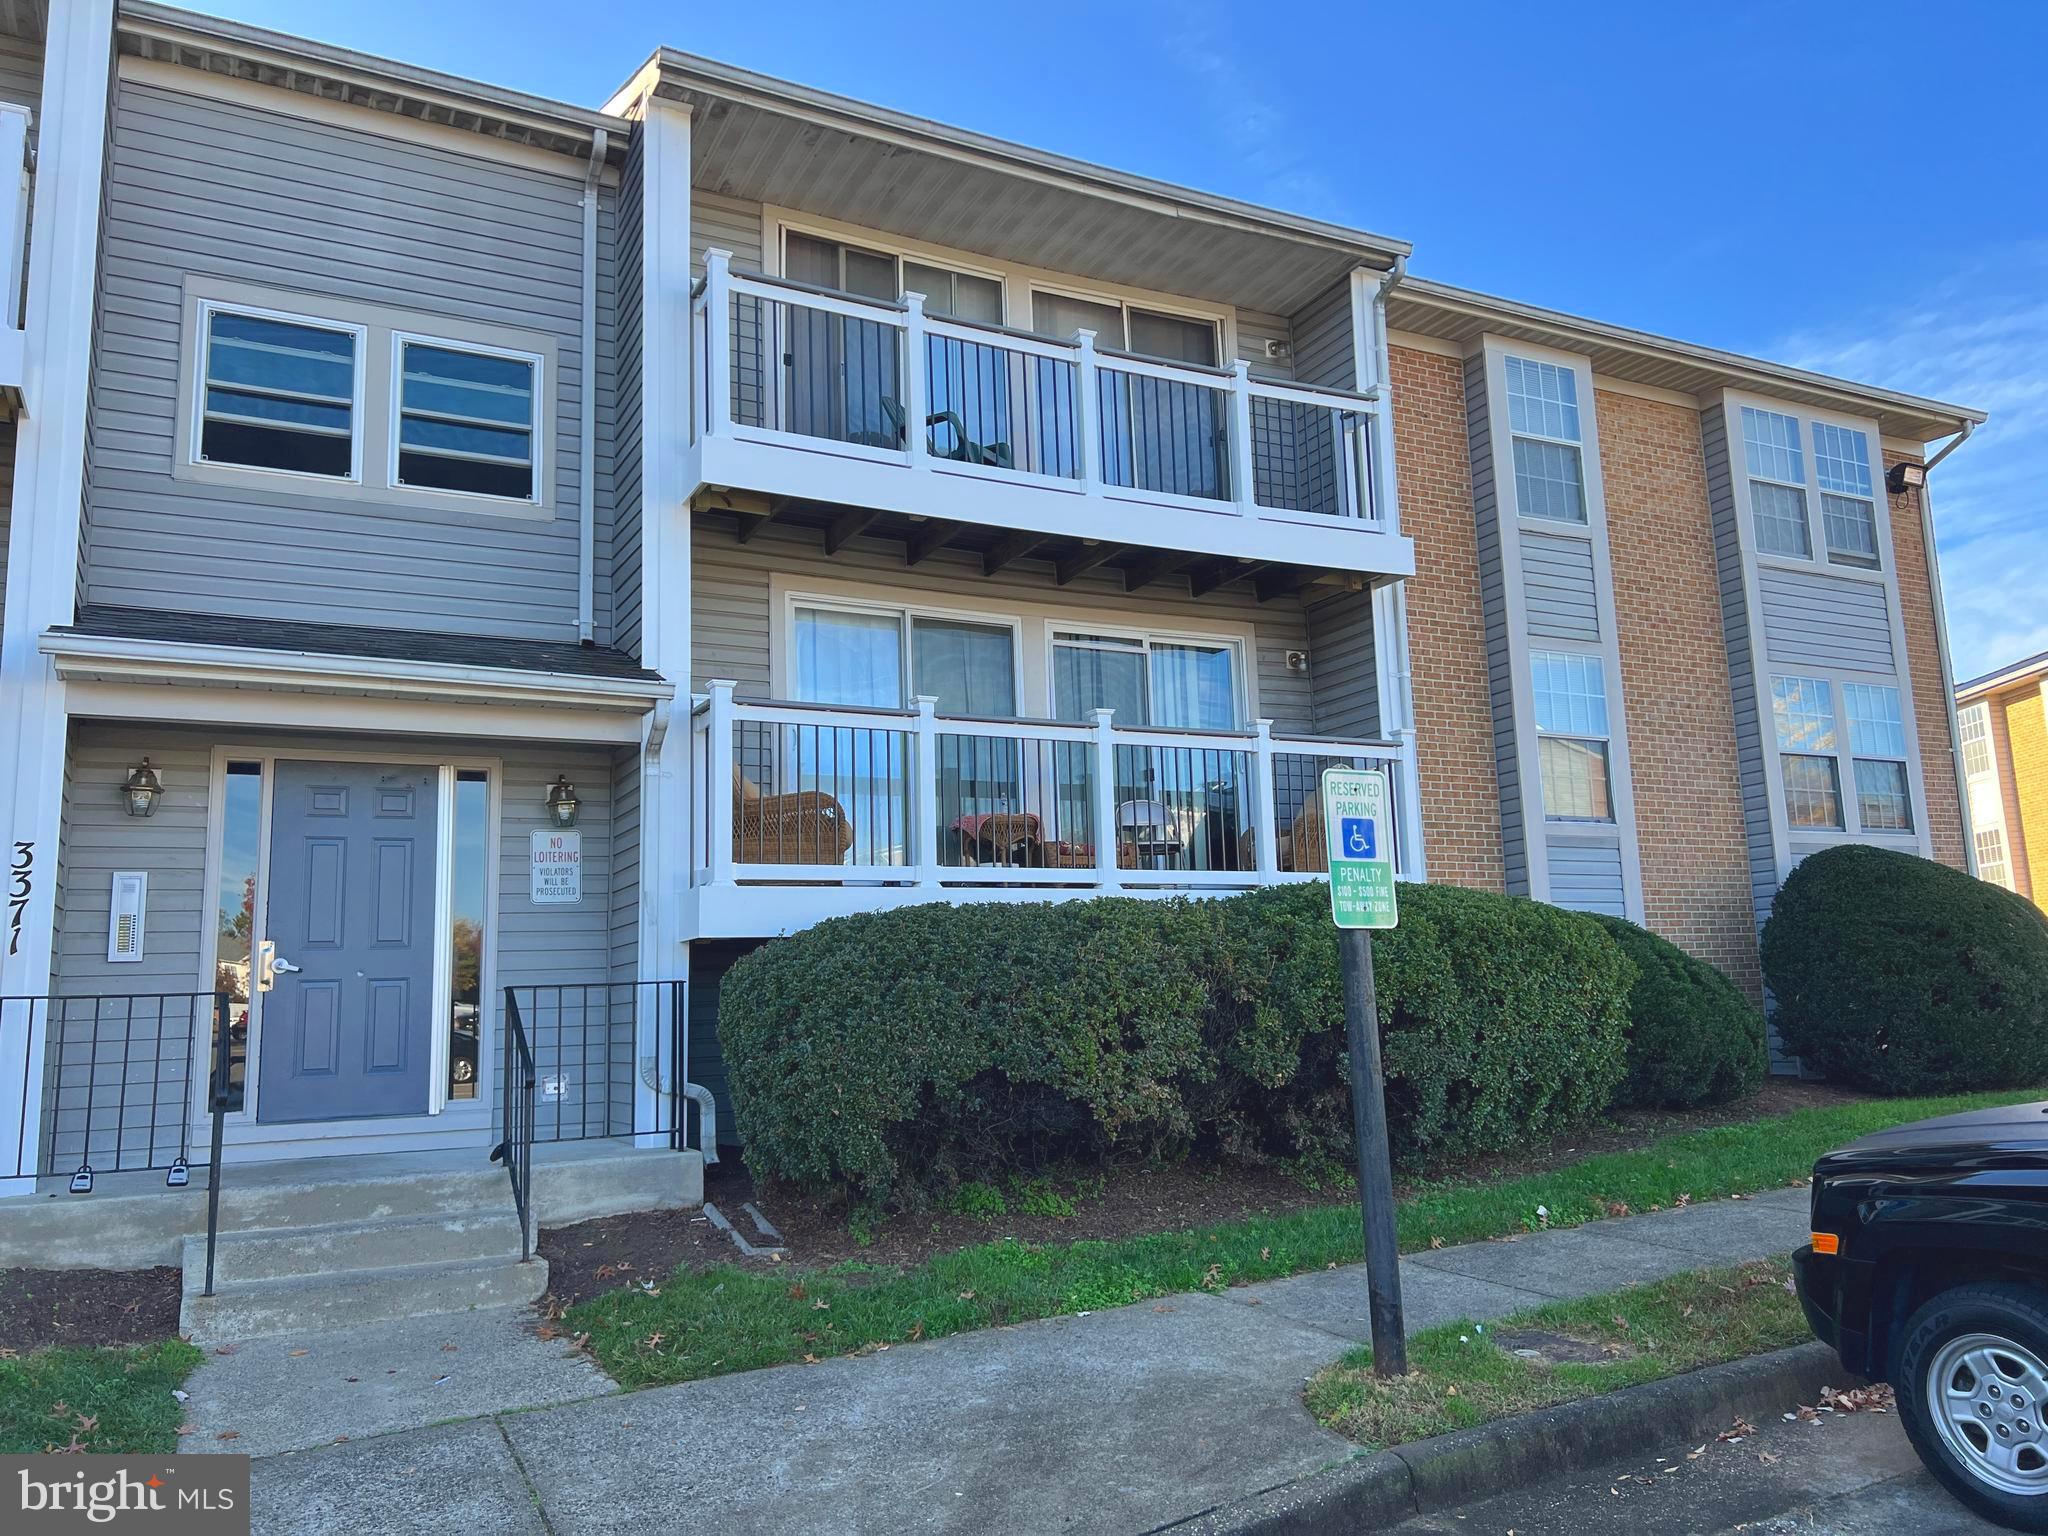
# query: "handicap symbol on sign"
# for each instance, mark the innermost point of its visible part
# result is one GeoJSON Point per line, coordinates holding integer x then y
{"type": "Point", "coordinates": [1355, 836]}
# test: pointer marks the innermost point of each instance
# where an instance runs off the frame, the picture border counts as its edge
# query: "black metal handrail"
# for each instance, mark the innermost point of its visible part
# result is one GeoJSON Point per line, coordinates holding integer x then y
{"type": "Point", "coordinates": [516, 1150]}
{"type": "Point", "coordinates": [219, 1086]}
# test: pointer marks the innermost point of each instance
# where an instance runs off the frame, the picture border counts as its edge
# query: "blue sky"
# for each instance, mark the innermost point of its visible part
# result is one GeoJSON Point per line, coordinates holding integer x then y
{"type": "Point", "coordinates": [1858, 186]}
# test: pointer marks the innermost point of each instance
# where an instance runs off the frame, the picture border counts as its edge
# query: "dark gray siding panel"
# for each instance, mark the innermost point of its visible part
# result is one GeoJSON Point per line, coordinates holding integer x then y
{"type": "Point", "coordinates": [1322, 341]}
{"type": "Point", "coordinates": [1499, 660]}
{"type": "Point", "coordinates": [1586, 877]}
{"type": "Point", "coordinates": [709, 961]}
{"type": "Point", "coordinates": [1254, 330]}
{"type": "Point", "coordinates": [6, 503]}
{"type": "Point", "coordinates": [625, 893]}
{"type": "Point", "coordinates": [729, 223]}
{"type": "Point", "coordinates": [223, 190]}
{"type": "Point", "coordinates": [1826, 621]}
{"type": "Point", "coordinates": [1557, 588]}
{"type": "Point", "coordinates": [626, 461]}
{"type": "Point", "coordinates": [1343, 669]}
{"type": "Point", "coordinates": [21, 78]}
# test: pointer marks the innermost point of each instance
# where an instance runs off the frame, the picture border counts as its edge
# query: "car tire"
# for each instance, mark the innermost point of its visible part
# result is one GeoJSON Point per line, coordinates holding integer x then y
{"type": "Point", "coordinates": [1972, 1384]}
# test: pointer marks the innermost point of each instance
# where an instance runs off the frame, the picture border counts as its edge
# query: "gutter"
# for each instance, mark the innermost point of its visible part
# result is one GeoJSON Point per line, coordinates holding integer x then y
{"type": "Point", "coordinates": [586, 429]}
{"type": "Point", "coordinates": [1948, 675]}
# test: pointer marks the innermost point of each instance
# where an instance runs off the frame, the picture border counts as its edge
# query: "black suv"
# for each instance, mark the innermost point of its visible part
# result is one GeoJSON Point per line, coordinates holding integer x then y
{"type": "Point", "coordinates": [1929, 1269]}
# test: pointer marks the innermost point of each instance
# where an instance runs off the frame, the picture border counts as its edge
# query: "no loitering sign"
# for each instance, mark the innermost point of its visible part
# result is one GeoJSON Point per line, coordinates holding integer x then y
{"type": "Point", "coordinates": [1358, 828]}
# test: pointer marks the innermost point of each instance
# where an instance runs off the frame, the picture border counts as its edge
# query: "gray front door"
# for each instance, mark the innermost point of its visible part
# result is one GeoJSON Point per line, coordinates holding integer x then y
{"type": "Point", "coordinates": [348, 1028]}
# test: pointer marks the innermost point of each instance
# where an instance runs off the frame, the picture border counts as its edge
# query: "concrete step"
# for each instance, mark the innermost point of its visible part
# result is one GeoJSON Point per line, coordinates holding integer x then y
{"type": "Point", "coordinates": [255, 1309]}
{"type": "Point", "coordinates": [275, 1196]}
{"type": "Point", "coordinates": [280, 1253]}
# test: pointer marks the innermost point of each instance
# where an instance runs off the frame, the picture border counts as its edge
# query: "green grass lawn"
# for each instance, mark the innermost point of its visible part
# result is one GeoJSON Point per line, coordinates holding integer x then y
{"type": "Point", "coordinates": [93, 1399]}
{"type": "Point", "coordinates": [709, 1322]}
{"type": "Point", "coordinates": [1458, 1376]}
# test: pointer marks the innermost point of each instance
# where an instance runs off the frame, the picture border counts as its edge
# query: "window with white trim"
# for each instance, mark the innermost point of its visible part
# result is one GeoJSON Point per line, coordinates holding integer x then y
{"type": "Point", "coordinates": [1973, 729]}
{"type": "Point", "coordinates": [1544, 434]}
{"type": "Point", "coordinates": [1848, 504]}
{"type": "Point", "coordinates": [278, 392]}
{"type": "Point", "coordinates": [466, 420]}
{"type": "Point", "coordinates": [1777, 483]}
{"type": "Point", "coordinates": [1877, 744]}
{"type": "Point", "coordinates": [1572, 736]}
{"type": "Point", "coordinates": [1804, 711]}
{"type": "Point", "coordinates": [1992, 864]}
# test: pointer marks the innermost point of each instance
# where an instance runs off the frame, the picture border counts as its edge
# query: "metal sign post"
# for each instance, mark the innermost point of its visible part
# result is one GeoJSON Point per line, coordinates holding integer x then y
{"type": "Point", "coordinates": [1357, 824]}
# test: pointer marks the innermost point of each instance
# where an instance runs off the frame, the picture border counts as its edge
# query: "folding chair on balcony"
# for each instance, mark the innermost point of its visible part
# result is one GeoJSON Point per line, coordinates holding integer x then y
{"type": "Point", "coordinates": [806, 826]}
{"type": "Point", "coordinates": [964, 450]}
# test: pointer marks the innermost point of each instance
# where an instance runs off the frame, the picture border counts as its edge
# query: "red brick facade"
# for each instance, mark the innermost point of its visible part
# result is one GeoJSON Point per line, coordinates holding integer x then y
{"type": "Point", "coordinates": [1446, 623]}
{"type": "Point", "coordinates": [1674, 672]}
{"type": "Point", "coordinates": [1923, 658]}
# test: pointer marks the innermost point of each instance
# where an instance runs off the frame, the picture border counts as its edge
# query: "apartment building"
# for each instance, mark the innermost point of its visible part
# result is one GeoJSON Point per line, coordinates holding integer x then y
{"type": "Point", "coordinates": [477, 565]}
{"type": "Point", "coordinates": [2004, 745]}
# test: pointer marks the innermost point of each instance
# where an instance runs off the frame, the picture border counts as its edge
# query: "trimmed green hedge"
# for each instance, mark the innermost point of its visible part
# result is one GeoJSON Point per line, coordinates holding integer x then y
{"type": "Point", "coordinates": [1900, 975]}
{"type": "Point", "coordinates": [926, 1045]}
{"type": "Point", "coordinates": [1693, 1037]}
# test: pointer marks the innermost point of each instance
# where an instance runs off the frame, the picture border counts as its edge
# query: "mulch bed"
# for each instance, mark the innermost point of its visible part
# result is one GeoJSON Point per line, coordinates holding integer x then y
{"type": "Point", "coordinates": [41, 1307]}
{"type": "Point", "coordinates": [593, 1257]}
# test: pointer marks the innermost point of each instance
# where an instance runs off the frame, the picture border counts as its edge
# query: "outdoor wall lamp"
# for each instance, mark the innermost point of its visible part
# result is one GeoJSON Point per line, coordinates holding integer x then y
{"type": "Point", "coordinates": [1901, 478]}
{"type": "Point", "coordinates": [562, 802]}
{"type": "Point", "coordinates": [141, 790]}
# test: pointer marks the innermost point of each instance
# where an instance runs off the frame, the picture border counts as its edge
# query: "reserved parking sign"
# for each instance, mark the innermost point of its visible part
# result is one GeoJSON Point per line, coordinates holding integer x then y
{"type": "Point", "coordinates": [1361, 855]}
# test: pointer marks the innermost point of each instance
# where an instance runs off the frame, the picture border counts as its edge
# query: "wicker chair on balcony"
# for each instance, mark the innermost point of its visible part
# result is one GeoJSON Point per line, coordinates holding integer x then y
{"type": "Point", "coordinates": [807, 826]}
{"type": "Point", "coordinates": [1303, 850]}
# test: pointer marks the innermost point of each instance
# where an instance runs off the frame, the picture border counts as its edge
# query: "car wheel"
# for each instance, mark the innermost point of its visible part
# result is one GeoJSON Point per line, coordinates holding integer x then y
{"type": "Point", "coordinates": [1972, 1384]}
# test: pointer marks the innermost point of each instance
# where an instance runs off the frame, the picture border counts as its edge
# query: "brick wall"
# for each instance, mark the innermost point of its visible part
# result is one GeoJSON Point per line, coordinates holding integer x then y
{"type": "Point", "coordinates": [2028, 733]}
{"type": "Point", "coordinates": [1930, 704]}
{"type": "Point", "coordinates": [1674, 671]}
{"type": "Point", "coordinates": [1446, 623]}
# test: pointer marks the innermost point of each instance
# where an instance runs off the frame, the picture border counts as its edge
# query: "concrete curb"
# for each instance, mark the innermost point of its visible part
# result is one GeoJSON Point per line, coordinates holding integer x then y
{"type": "Point", "coordinates": [1386, 1487]}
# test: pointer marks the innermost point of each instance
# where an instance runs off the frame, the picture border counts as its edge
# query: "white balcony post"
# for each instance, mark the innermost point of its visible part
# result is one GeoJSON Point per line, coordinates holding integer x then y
{"type": "Point", "coordinates": [14, 186]}
{"type": "Point", "coordinates": [1087, 408]}
{"type": "Point", "coordinates": [718, 340]}
{"type": "Point", "coordinates": [1243, 487]}
{"type": "Point", "coordinates": [721, 780]}
{"type": "Point", "coordinates": [1265, 814]}
{"type": "Point", "coordinates": [924, 801]}
{"type": "Point", "coordinates": [1107, 875]}
{"type": "Point", "coordinates": [1412, 865]}
{"type": "Point", "coordinates": [915, 382]}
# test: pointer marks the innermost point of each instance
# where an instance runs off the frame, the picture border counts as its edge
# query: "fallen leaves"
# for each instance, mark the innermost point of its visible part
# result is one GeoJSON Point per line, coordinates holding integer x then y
{"type": "Point", "coordinates": [1737, 1432]}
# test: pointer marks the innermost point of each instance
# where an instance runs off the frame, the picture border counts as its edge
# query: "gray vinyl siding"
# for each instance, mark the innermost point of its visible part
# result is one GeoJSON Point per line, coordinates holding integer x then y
{"type": "Point", "coordinates": [1254, 330]}
{"type": "Point", "coordinates": [626, 861]}
{"type": "Point", "coordinates": [1826, 621]}
{"type": "Point", "coordinates": [731, 609]}
{"type": "Point", "coordinates": [625, 527]}
{"type": "Point", "coordinates": [1322, 341]}
{"type": "Point", "coordinates": [1343, 667]}
{"type": "Point", "coordinates": [1586, 876]}
{"type": "Point", "coordinates": [1558, 595]}
{"type": "Point", "coordinates": [6, 504]}
{"type": "Point", "coordinates": [220, 189]}
{"type": "Point", "coordinates": [1499, 653]}
{"type": "Point", "coordinates": [534, 945]}
{"type": "Point", "coordinates": [21, 77]}
{"type": "Point", "coordinates": [729, 223]}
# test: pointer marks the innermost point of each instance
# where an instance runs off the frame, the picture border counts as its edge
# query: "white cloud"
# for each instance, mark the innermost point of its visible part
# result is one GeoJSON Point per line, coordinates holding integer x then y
{"type": "Point", "coordinates": [1260, 133]}
{"type": "Point", "coordinates": [1979, 338]}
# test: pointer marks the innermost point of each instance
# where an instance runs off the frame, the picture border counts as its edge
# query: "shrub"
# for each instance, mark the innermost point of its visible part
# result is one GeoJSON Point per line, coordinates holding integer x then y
{"type": "Point", "coordinates": [1900, 975]}
{"type": "Point", "coordinates": [928, 1045]}
{"type": "Point", "coordinates": [1693, 1038]}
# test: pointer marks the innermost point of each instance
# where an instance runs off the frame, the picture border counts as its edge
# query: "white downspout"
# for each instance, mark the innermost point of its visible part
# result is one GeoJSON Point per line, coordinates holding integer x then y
{"type": "Point", "coordinates": [586, 426]}
{"type": "Point", "coordinates": [1948, 677]}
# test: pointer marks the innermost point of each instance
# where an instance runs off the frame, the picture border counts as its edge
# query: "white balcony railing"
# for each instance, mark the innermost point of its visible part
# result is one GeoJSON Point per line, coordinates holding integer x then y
{"type": "Point", "coordinates": [787, 364]}
{"type": "Point", "coordinates": [797, 794]}
{"type": "Point", "coordinates": [16, 178]}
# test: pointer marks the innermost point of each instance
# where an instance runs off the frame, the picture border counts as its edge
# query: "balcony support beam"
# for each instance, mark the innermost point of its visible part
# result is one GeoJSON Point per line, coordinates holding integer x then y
{"type": "Point", "coordinates": [1093, 552]}
{"type": "Point", "coordinates": [849, 525]}
{"type": "Point", "coordinates": [1283, 581]}
{"type": "Point", "coordinates": [1009, 549]}
{"type": "Point", "coordinates": [1222, 573]}
{"type": "Point", "coordinates": [928, 539]}
{"type": "Point", "coordinates": [1157, 566]}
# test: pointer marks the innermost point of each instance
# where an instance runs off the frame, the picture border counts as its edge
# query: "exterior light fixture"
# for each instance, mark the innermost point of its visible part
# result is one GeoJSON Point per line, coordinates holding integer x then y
{"type": "Point", "coordinates": [562, 802]}
{"type": "Point", "coordinates": [1901, 478]}
{"type": "Point", "coordinates": [141, 790]}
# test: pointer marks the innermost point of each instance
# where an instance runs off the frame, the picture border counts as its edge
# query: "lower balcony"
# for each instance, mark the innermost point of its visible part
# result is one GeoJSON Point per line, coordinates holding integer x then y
{"type": "Point", "coordinates": [804, 812]}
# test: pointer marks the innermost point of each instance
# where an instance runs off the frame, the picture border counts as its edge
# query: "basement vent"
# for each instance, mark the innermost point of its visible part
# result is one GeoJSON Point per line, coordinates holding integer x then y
{"type": "Point", "coordinates": [124, 920]}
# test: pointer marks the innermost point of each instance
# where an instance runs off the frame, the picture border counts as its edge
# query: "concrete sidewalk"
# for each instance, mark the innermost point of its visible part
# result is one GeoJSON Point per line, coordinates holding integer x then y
{"type": "Point", "coordinates": [1119, 1421]}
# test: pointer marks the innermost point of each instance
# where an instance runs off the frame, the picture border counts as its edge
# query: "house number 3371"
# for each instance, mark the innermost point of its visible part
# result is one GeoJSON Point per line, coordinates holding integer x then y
{"type": "Point", "coordinates": [21, 884]}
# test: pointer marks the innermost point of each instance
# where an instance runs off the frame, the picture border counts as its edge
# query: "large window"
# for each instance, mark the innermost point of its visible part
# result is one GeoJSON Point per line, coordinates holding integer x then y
{"type": "Point", "coordinates": [883, 659]}
{"type": "Point", "coordinates": [1877, 740]}
{"type": "Point", "coordinates": [1804, 711]}
{"type": "Point", "coordinates": [882, 275]}
{"type": "Point", "coordinates": [1973, 726]}
{"type": "Point", "coordinates": [278, 393]}
{"type": "Point", "coordinates": [1848, 507]}
{"type": "Point", "coordinates": [1992, 863]}
{"type": "Point", "coordinates": [466, 420]}
{"type": "Point", "coordinates": [1777, 482]}
{"type": "Point", "coordinates": [1543, 423]}
{"type": "Point", "coordinates": [1572, 736]}
{"type": "Point", "coordinates": [234, 926]}
{"type": "Point", "coordinates": [1126, 327]}
{"type": "Point", "coordinates": [1179, 683]}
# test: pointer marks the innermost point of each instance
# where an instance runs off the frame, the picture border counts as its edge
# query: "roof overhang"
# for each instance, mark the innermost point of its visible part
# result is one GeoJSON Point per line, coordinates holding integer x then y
{"type": "Point", "coordinates": [768, 140]}
{"type": "Point", "coordinates": [2020, 674]}
{"type": "Point", "coordinates": [125, 660]}
{"type": "Point", "coordinates": [219, 47]}
{"type": "Point", "coordinates": [1461, 316]}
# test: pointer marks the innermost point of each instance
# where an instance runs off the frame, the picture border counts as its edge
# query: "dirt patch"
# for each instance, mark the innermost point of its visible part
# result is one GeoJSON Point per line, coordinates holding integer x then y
{"type": "Point", "coordinates": [41, 1307]}
{"type": "Point", "coordinates": [1542, 1348]}
{"type": "Point", "coordinates": [598, 1256]}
